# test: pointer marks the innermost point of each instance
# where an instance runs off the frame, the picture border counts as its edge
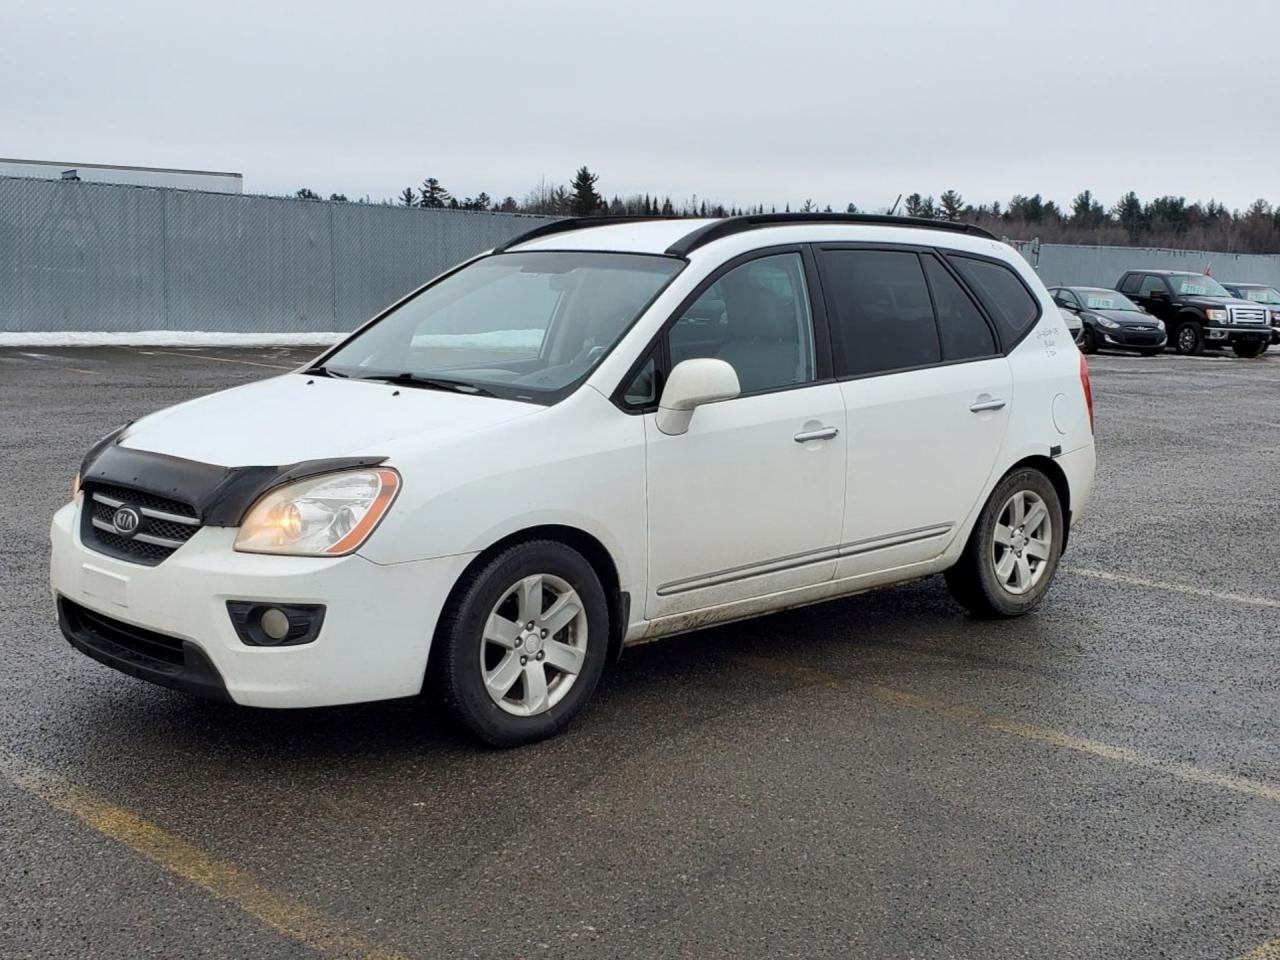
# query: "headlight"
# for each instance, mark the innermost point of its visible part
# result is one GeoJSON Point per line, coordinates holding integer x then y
{"type": "Point", "coordinates": [1275, 316]}
{"type": "Point", "coordinates": [1217, 316]}
{"type": "Point", "coordinates": [75, 488]}
{"type": "Point", "coordinates": [1107, 322]}
{"type": "Point", "coordinates": [322, 517]}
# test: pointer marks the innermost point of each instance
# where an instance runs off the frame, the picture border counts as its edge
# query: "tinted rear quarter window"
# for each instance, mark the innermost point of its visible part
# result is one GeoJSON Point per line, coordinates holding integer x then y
{"type": "Point", "coordinates": [961, 328]}
{"type": "Point", "coordinates": [881, 311]}
{"type": "Point", "coordinates": [1006, 298]}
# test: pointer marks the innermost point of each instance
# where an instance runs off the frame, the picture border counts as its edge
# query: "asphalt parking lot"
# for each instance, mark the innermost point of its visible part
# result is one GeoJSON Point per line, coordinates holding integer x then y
{"type": "Point", "coordinates": [875, 777]}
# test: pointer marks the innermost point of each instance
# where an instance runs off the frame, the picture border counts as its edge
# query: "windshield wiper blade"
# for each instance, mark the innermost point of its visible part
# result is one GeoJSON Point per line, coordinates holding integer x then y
{"type": "Point", "coordinates": [430, 383]}
{"type": "Point", "coordinates": [323, 371]}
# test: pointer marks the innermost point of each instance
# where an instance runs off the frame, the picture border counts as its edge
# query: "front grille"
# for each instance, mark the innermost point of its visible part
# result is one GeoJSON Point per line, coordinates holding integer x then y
{"type": "Point", "coordinates": [164, 526]}
{"type": "Point", "coordinates": [142, 646]}
{"type": "Point", "coordinates": [1248, 315]}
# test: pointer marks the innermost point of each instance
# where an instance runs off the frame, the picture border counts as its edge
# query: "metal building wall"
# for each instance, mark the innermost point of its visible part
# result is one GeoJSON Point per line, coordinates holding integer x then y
{"type": "Point", "coordinates": [1102, 266]}
{"type": "Point", "coordinates": [99, 257]}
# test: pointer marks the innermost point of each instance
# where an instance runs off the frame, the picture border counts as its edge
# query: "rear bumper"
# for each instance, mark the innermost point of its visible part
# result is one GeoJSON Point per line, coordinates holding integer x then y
{"type": "Point", "coordinates": [1079, 466]}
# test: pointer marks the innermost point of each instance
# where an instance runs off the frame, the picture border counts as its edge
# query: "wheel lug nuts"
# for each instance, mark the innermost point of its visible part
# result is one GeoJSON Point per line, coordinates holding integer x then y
{"type": "Point", "coordinates": [541, 654]}
{"type": "Point", "coordinates": [519, 641]}
{"type": "Point", "coordinates": [523, 661]}
{"type": "Point", "coordinates": [530, 625]}
{"type": "Point", "coordinates": [544, 634]}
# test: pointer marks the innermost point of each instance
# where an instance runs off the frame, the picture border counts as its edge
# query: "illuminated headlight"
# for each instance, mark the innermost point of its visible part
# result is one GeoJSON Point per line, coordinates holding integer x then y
{"type": "Point", "coordinates": [1217, 316]}
{"type": "Point", "coordinates": [321, 517]}
{"type": "Point", "coordinates": [1107, 322]}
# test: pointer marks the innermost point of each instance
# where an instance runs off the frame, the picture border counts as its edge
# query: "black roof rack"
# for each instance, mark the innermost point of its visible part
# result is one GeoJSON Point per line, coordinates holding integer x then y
{"type": "Point", "coordinates": [731, 225]}
{"type": "Point", "coordinates": [570, 223]}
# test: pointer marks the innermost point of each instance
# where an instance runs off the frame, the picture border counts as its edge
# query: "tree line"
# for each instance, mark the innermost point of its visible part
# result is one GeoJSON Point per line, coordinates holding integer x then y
{"type": "Point", "coordinates": [1168, 221]}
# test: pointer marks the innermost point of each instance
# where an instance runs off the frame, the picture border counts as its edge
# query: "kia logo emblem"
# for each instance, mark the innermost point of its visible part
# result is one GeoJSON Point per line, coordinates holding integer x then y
{"type": "Point", "coordinates": [125, 521]}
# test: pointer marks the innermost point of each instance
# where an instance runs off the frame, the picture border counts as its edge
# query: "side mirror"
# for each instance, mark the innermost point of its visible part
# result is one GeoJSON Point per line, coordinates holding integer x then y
{"type": "Point", "coordinates": [691, 384]}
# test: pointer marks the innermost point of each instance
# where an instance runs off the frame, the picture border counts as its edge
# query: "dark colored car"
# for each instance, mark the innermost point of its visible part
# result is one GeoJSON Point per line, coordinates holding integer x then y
{"type": "Point", "coordinates": [1110, 319]}
{"type": "Point", "coordinates": [1199, 312]}
{"type": "Point", "coordinates": [1260, 293]}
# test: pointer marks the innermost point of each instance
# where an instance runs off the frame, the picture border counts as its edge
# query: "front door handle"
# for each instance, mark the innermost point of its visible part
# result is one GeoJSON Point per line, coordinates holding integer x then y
{"type": "Point", "coordinates": [825, 433]}
{"type": "Point", "coordinates": [991, 403]}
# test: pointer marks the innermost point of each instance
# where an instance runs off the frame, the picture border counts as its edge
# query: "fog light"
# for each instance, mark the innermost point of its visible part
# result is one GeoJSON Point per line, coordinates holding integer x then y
{"type": "Point", "coordinates": [275, 624]}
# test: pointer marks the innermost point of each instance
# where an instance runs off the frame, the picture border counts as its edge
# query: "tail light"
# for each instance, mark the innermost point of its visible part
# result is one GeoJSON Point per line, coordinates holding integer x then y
{"type": "Point", "coordinates": [1088, 390]}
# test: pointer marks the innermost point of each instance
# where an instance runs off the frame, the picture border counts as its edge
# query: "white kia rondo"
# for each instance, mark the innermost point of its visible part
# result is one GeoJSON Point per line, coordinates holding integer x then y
{"type": "Point", "coordinates": [601, 433]}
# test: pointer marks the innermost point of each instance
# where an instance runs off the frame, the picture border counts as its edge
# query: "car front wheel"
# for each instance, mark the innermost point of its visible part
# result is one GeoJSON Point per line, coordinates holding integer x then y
{"type": "Point", "coordinates": [1189, 340]}
{"type": "Point", "coordinates": [1012, 553]}
{"type": "Point", "coordinates": [522, 643]}
{"type": "Point", "coordinates": [1249, 350]}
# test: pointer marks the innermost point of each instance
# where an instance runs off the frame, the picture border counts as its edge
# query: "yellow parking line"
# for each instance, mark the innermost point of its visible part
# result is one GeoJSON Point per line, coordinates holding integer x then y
{"type": "Point", "coordinates": [1055, 738]}
{"type": "Point", "coordinates": [280, 912]}
{"type": "Point", "coordinates": [1174, 587]}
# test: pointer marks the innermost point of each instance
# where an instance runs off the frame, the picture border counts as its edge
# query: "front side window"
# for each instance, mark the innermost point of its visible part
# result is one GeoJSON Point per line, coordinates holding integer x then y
{"type": "Point", "coordinates": [523, 325]}
{"type": "Point", "coordinates": [881, 314]}
{"type": "Point", "coordinates": [1066, 298]}
{"type": "Point", "coordinates": [755, 318]}
{"type": "Point", "coordinates": [1006, 297]}
{"type": "Point", "coordinates": [1152, 284]}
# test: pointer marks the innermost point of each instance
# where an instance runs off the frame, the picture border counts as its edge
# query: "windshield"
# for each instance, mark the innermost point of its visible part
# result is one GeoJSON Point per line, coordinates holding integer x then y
{"type": "Point", "coordinates": [1260, 294]}
{"type": "Point", "coordinates": [1195, 285]}
{"type": "Point", "coordinates": [519, 325]}
{"type": "Point", "coordinates": [1099, 299]}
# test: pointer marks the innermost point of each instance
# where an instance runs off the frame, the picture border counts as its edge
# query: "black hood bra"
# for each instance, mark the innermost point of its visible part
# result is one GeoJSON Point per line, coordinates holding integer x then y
{"type": "Point", "coordinates": [221, 496]}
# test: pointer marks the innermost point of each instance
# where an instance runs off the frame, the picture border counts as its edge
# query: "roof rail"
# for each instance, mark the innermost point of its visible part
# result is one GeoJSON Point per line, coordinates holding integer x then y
{"type": "Point", "coordinates": [570, 223]}
{"type": "Point", "coordinates": [731, 225]}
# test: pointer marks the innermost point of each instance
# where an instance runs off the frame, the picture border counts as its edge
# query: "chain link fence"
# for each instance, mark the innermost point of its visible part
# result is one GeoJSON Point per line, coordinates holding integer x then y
{"type": "Point", "coordinates": [83, 257]}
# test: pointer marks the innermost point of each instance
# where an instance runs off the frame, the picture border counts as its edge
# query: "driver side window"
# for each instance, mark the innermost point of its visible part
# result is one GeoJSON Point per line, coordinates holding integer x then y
{"type": "Point", "coordinates": [756, 318]}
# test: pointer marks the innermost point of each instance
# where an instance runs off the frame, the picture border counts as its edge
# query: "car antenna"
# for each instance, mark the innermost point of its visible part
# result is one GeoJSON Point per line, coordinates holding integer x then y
{"type": "Point", "coordinates": [895, 205]}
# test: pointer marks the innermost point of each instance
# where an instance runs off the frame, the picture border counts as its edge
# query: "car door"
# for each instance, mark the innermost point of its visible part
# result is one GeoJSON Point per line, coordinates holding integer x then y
{"type": "Point", "coordinates": [1157, 306]}
{"type": "Point", "coordinates": [927, 397]}
{"type": "Point", "coordinates": [749, 501]}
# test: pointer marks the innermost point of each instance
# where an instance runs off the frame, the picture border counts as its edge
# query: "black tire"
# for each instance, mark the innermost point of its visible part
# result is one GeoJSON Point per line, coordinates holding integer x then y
{"type": "Point", "coordinates": [1188, 339]}
{"type": "Point", "coordinates": [973, 581]}
{"type": "Point", "coordinates": [1249, 350]}
{"type": "Point", "coordinates": [1088, 341]}
{"type": "Point", "coordinates": [1155, 352]}
{"type": "Point", "coordinates": [456, 671]}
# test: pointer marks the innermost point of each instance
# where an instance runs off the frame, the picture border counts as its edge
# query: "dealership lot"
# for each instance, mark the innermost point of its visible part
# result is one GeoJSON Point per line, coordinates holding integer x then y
{"type": "Point", "coordinates": [879, 776]}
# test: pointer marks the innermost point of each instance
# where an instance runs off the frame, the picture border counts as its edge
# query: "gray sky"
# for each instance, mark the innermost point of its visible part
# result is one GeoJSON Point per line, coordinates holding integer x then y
{"type": "Point", "coordinates": [742, 102]}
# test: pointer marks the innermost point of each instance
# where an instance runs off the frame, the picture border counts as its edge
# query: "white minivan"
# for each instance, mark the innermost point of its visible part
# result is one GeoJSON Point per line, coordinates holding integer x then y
{"type": "Point", "coordinates": [600, 433]}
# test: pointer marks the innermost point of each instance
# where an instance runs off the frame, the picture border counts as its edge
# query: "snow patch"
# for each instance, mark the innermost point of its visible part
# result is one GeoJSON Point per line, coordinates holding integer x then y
{"type": "Point", "coordinates": [165, 338]}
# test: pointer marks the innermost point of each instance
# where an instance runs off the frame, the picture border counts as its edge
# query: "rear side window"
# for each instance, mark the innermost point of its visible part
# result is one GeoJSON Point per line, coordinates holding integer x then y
{"type": "Point", "coordinates": [1006, 298]}
{"type": "Point", "coordinates": [881, 311]}
{"type": "Point", "coordinates": [961, 328]}
{"type": "Point", "coordinates": [1151, 284]}
{"type": "Point", "coordinates": [1130, 283]}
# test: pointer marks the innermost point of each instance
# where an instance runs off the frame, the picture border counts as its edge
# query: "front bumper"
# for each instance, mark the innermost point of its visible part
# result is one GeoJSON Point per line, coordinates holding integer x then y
{"type": "Point", "coordinates": [378, 625]}
{"type": "Point", "coordinates": [1253, 334]}
{"type": "Point", "coordinates": [1131, 339]}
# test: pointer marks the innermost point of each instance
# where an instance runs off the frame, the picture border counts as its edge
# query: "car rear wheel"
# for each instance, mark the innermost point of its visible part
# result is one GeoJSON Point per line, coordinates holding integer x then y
{"type": "Point", "coordinates": [1249, 350]}
{"type": "Point", "coordinates": [522, 643]}
{"type": "Point", "coordinates": [1188, 339]}
{"type": "Point", "coordinates": [1012, 553]}
{"type": "Point", "coordinates": [1088, 340]}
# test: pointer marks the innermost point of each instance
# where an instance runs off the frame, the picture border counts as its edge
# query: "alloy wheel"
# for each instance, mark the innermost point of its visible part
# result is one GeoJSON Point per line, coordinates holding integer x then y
{"type": "Point", "coordinates": [534, 646]}
{"type": "Point", "coordinates": [1022, 543]}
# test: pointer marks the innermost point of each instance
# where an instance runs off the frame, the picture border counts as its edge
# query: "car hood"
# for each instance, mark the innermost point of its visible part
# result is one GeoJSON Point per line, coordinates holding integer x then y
{"type": "Point", "coordinates": [297, 417]}
{"type": "Point", "coordinates": [1216, 302]}
{"type": "Point", "coordinates": [1126, 317]}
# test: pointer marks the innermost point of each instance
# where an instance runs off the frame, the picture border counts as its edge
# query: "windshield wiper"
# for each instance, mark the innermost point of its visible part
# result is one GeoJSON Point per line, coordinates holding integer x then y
{"type": "Point", "coordinates": [430, 383]}
{"type": "Point", "coordinates": [326, 372]}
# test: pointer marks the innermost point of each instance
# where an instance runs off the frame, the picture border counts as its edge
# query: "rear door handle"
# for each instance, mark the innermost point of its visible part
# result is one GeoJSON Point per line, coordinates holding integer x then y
{"type": "Point", "coordinates": [826, 433]}
{"type": "Point", "coordinates": [991, 403]}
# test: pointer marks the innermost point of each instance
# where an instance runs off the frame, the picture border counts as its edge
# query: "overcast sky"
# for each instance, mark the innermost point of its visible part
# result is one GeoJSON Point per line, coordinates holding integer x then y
{"type": "Point", "coordinates": [733, 101]}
